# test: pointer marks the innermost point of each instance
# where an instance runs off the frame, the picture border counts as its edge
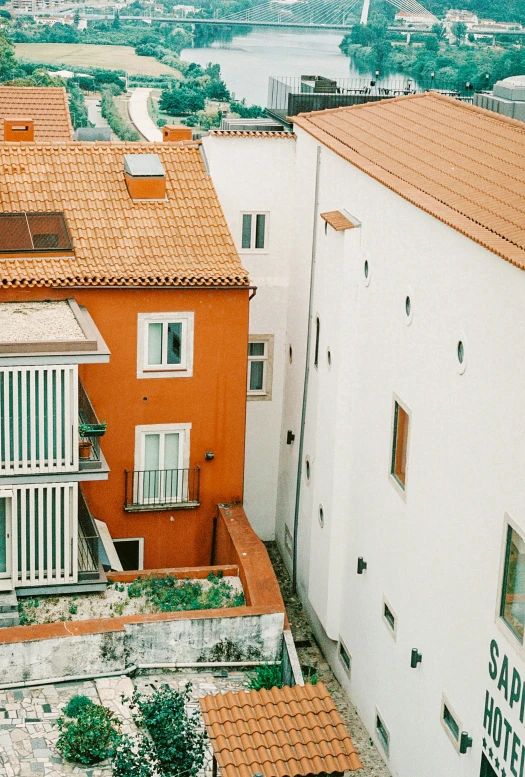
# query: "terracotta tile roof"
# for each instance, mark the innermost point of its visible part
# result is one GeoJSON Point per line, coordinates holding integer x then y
{"type": "Point", "coordinates": [48, 106]}
{"type": "Point", "coordinates": [279, 733]}
{"type": "Point", "coordinates": [461, 164]}
{"type": "Point", "coordinates": [117, 241]}
{"type": "Point", "coordinates": [338, 220]}
{"type": "Point", "coordinates": [250, 134]}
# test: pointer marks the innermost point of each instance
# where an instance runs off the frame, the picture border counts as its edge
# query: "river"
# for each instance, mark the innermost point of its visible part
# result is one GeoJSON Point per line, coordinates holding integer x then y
{"type": "Point", "coordinates": [249, 60]}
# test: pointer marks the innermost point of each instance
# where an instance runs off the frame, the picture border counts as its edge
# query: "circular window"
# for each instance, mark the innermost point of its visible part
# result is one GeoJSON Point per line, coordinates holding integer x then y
{"type": "Point", "coordinates": [329, 357]}
{"type": "Point", "coordinates": [290, 354]}
{"type": "Point", "coordinates": [321, 516]}
{"type": "Point", "coordinates": [307, 469]}
{"type": "Point", "coordinates": [366, 268]}
{"type": "Point", "coordinates": [408, 306]}
{"type": "Point", "coordinates": [461, 354]}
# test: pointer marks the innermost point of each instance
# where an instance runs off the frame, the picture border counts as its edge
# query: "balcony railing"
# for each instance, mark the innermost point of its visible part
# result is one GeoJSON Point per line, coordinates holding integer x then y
{"type": "Point", "coordinates": [88, 540]}
{"type": "Point", "coordinates": [159, 489]}
{"type": "Point", "coordinates": [89, 444]}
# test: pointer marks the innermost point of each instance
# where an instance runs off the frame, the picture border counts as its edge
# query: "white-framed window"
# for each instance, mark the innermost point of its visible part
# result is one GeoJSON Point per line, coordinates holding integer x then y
{"type": "Point", "coordinates": [260, 366]}
{"type": "Point", "coordinates": [130, 551]}
{"type": "Point", "coordinates": [450, 722]}
{"type": "Point", "coordinates": [162, 459]}
{"type": "Point", "coordinates": [165, 345]}
{"type": "Point", "coordinates": [254, 231]}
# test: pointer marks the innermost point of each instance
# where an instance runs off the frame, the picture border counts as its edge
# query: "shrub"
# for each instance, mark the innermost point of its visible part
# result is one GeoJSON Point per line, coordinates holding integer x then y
{"type": "Point", "coordinates": [265, 676]}
{"type": "Point", "coordinates": [168, 594]}
{"type": "Point", "coordinates": [76, 705]}
{"type": "Point", "coordinates": [179, 743]}
{"type": "Point", "coordinates": [135, 756]}
{"type": "Point", "coordinates": [110, 112]}
{"type": "Point", "coordinates": [90, 737]}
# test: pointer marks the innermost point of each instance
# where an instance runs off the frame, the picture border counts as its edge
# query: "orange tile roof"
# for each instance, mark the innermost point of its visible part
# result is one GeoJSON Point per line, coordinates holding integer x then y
{"type": "Point", "coordinates": [47, 106]}
{"type": "Point", "coordinates": [461, 164]}
{"type": "Point", "coordinates": [279, 733]}
{"type": "Point", "coordinates": [183, 241]}
{"type": "Point", "coordinates": [251, 134]}
{"type": "Point", "coordinates": [337, 220]}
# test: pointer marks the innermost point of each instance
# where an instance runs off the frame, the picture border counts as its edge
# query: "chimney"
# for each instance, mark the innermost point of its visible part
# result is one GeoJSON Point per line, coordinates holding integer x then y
{"type": "Point", "coordinates": [145, 177]}
{"type": "Point", "coordinates": [19, 130]}
{"type": "Point", "coordinates": [173, 132]}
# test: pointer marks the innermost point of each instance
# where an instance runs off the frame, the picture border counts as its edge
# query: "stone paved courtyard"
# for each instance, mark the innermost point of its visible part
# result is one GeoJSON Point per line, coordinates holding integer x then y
{"type": "Point", "coordinates": [27, 715]}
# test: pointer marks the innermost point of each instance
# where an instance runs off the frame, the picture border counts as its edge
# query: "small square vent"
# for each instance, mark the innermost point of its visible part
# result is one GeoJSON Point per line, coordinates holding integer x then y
{"type": "Point", "coordinates": [145, 176]}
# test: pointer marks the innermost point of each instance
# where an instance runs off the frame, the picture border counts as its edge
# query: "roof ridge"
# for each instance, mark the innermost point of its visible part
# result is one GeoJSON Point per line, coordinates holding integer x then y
{"type": "Point", "coordinates": [386, 100]}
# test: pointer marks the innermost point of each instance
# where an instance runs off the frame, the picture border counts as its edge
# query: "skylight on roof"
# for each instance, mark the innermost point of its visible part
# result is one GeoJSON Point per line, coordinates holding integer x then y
{"type": "Point", "coordinates": [34, 233]}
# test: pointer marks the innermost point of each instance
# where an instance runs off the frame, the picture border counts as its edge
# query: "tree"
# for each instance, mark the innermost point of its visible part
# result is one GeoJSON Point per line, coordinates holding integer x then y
{"type": "Point", "coordinates": [116, 21]}
{"type": "Point", "coordinates": [440, 30]}
{"type": "Point", "coordinates": [182, 99]}
{"type": "Point", "coordinates": [459, 30]}
{"type": "Point", "coordinates": [8, 63]}
{"type": "Point", "coordinates": [431, 44]}
{"type": "Point", "coordinates": [217, 90]}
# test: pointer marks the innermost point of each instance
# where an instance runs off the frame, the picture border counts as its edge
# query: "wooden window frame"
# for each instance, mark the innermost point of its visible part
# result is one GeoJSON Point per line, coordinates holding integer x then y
{"type": "Point", "coordinates": [400, 485]}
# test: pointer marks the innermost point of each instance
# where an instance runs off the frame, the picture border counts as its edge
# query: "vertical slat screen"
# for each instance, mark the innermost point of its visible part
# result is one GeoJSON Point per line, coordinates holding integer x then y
{"type": "Point", "coordinates": [38, 419]}
{"type": "Point", "coordinates": [46, 532]}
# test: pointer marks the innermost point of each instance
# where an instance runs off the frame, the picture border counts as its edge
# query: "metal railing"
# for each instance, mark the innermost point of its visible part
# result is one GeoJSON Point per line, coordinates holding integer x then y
{"type": "Point", "coordinates": [151, 489]}
{"type": "Point", "coordinates": [88, 539]}
{"type": "Point", "coordinates": [86, 415]}
{"type": "Point", "coordinates": [310, 93]}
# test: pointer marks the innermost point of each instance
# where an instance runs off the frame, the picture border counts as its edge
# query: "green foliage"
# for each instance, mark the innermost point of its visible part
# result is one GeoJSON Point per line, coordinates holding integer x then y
{"type": "Point", "coordinates": [111, 113]}
{"type": "Point", "coordinates": [76, 705]}
{"type": "Point", "coordinates": [214, 577]}
{"type": "Point", "coordinates": [179, 744]}
{"type": "Point", "coordinates": [88, 738]}
{"type": "Point", "coordinates": [310, 675]}
{"type": "Point", "coordinates": [246, 112]}
{"type": "Point", "coordinates": [26, 611]}
{"type": "Point", "coordinates": [459, 30]}
{"type": "Point", "coordinates": [168, 594]}
{"type": "Point", "coordinates": [184, 98]}
{"type": "Point", "coordinates": [265, 676]}
{"type": "Point", "coordinates": [73, 609]}
{"type": "Point", "coordinates": [135, 756]}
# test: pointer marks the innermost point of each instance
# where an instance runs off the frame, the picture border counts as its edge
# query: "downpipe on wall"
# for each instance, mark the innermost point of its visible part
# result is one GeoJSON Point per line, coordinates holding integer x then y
{"type": "Point", "coordinates": [306, 370]}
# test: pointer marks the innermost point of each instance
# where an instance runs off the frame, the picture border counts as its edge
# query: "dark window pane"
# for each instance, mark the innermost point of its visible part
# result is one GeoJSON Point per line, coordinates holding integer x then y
{"type": "Point", "coordinates": [45, 240]}
{"type": "Point", "coordinates": [247, 230]}
{"type": "Point", "coordinates": [259, 230]}
{"type": "Point", "coordinates": [451, 722]}
{"type": "Point", "coordinates": [256, 349]}
{"type": "Point", "coordinates": [513, 594]}
{"type": "Point", "coordinates": [256, 376]}
{"type": "Point", "coordinates": [128, 553]}
{"type": "Point", "coordinates": [317, 335]}
{"type": "Point", "coordinates": [174, 343]}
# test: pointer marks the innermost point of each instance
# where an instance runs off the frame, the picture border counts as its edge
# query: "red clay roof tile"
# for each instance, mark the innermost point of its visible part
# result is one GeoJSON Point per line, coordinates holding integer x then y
{"type": "Point", "coordinates": [47, 106]}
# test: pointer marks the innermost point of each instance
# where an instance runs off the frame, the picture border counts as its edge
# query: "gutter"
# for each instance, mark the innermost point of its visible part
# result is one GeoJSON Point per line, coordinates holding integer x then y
{"type": "Point", "coordinates": [306, 370]}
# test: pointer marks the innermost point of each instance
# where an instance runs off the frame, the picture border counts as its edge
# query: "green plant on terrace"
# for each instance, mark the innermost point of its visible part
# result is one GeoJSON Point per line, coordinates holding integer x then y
{"type": "Point", "coordinates": [76, 705]}
{"type": "Point", "coordinates": [265, 676]}
{"type": "Point", "coordinates": [168, 594]}
{"type": "Point", "coordinates": [89, 737]}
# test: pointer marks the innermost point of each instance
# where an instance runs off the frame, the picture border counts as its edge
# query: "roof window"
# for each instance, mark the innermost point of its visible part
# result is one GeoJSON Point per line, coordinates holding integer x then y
{"type": "Point", "coordinates": [22, 233]}
{"type": "Point", "coordinates": [145, 177]}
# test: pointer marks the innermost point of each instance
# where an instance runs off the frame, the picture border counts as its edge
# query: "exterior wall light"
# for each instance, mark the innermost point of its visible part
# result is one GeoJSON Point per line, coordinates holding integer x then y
{"type": "Point", "coordinates": [361, 565]}
{"type": "Point", "coordinates": [465, 742]}
{"type": "Point", "coordinates": [209, 455]}
{"type": "Point", "coordinates": [415, 658]}
{"type": "Point", "coordinates": [290, 437]}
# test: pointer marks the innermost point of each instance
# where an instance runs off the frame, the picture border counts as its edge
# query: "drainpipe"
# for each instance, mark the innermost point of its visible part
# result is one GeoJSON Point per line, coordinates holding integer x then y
{"type": "Point", "coordinates": [306, 371]}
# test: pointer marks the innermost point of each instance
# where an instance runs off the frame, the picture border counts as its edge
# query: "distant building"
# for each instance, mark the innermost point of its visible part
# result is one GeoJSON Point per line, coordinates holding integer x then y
{"type": "Point", "coordinates": [406, 18]}
{"type": "Point", "coordinates": [465, 17]}
{"type": "Point", "coordinates": [41, 114]}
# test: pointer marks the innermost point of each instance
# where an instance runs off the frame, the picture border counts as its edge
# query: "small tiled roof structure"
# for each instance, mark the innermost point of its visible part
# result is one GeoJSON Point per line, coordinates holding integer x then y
{"type": "Point", "coordinates": [117, 241]}
{"type": "Point", "coordinates": [459, 163]}
{"type": "Point", "coordinates": [48, 106]}
{"type": "Point", "coordinates": [288, 732]}
{"type": "Point", "coordinates": [338, 220]}
{"type": "Point", "coordinates": [252, 134]}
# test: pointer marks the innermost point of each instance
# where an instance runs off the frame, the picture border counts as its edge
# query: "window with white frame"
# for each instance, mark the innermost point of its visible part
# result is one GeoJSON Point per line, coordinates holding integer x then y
{"type": "Point", "coordinates": [260, 366]}
{"type": "Point", "coordinates": [165, 345]}
{"type": "Point", "coordinates": [162, 454]}
{"type": "Point", "coordinates": [254, 231]}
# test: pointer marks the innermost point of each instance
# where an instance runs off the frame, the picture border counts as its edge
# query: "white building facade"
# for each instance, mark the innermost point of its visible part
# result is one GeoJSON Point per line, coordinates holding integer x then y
{"type": "Point", "coordinates": [409, 524]}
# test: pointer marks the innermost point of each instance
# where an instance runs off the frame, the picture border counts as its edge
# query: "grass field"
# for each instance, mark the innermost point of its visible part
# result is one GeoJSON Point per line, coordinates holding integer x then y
{"type": "Point", "coordinates": [78, 55]}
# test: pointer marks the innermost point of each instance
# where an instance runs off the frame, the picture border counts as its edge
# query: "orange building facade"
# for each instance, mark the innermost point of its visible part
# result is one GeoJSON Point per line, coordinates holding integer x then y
{"type": "Point", "coordinates": [159, 277]}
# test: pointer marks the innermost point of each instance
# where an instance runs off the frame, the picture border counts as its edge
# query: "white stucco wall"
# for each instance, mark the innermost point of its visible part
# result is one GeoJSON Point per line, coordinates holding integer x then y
{"type": "Point", "coordinates": [436, 555]}
{"type": "Point", "coordinates": [257, 174]}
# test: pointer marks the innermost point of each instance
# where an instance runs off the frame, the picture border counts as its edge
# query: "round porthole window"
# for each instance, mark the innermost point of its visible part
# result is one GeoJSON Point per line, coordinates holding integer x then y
{"type": "Point", "coordinates": [408, 306]}
{"type": "Point", "coordinates": [366, 269]}
{"type": "Point", "coordinates": [307, 469]}
{"type": "Point", "coordinates": [329, 357]}
{"type": "Point", "coordinates": [290, 354]}
{"type": "Point", "coordinates": [461, 354]}
{"type": "Point", "coordinates": [321, 516]}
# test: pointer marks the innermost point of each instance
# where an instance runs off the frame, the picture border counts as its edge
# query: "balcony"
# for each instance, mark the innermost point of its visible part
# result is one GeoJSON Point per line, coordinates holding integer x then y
{"type": "Point", "coordinates": [89, 433]}
{"type": "Point", "coordinates": [88, 542]}
{"type": "Point", "coordinates": [162, 489]}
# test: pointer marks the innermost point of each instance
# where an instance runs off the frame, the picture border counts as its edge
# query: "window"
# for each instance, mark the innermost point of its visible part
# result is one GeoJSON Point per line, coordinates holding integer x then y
{"type": "Point", "coordinates": [344, 657]}
{"type": "Point", "coordinates": [161, 473]}
{"type": "Point", "coordinates": [130, 552]}
{"type": "Point", "coordinates": [254, 231]}
{"type": "Point", "coordinates": [512, 606]}
{"type": "Point", "coordinates": [260, 366]}
{"type": "Point", "coordinates": [399, 445]}
{"type": "Point", "coordinates": [389, 617]}
{"type": "Point", "coordinates": [382, 732]}
{"type": "Point", "coordinates": [450, 722]}
{"type": "Point", "coordinates": [317, 336]}
{"type": "Point", "coordinates": [165, 345]}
